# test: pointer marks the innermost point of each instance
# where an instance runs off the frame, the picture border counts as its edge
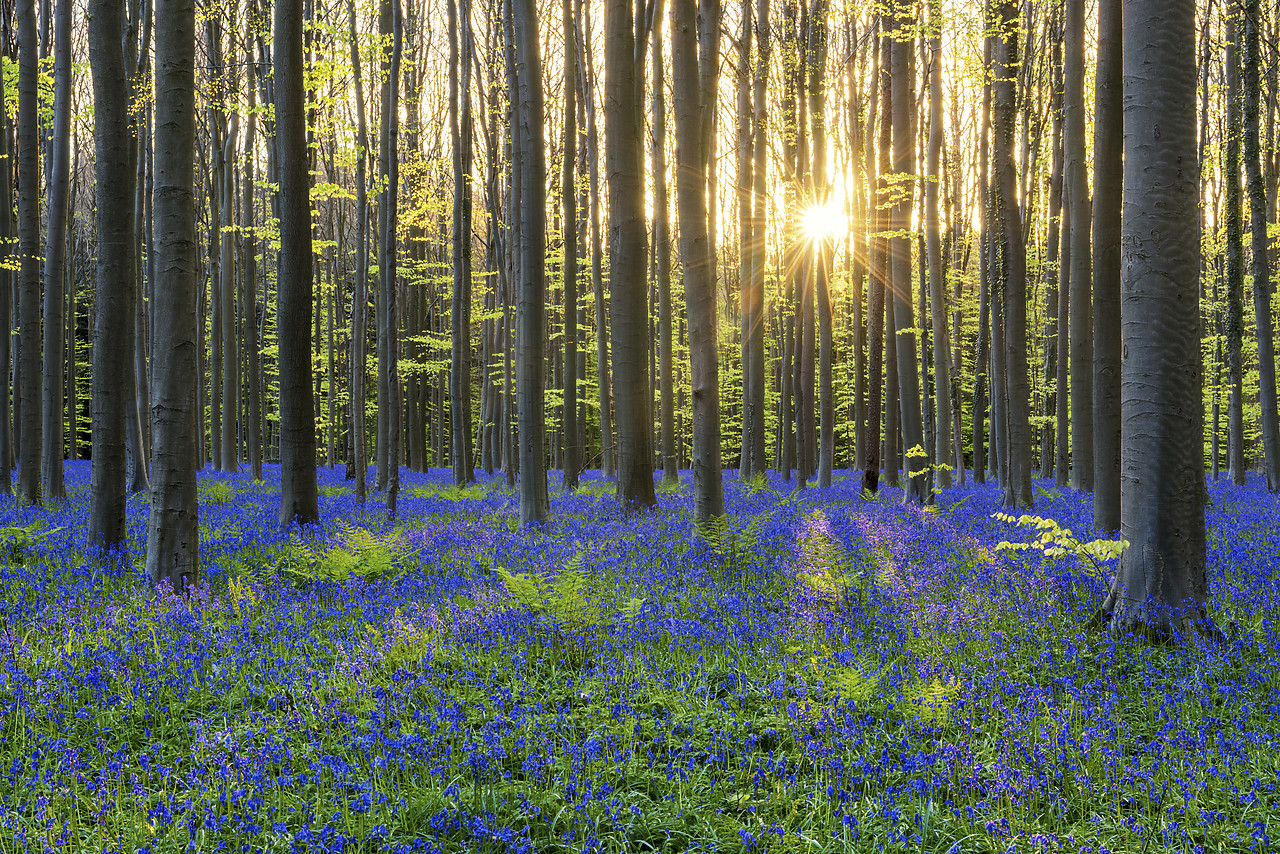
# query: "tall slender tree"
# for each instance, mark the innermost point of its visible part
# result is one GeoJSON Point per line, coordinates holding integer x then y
{"type": "Point", "coordinates": [460, 123]}
{"type": "Point", "coordinates": [908, 365]}
{"type": "Point", "coordinates": [693, 116]}
{"type": "Point", "coordinates": [55, 259]}
{"type": "Point", "coordinates": [1076, 192]}
{"type": "Point", "coordinates": [527, 121]}
{"type": "Point", "coordinates": [1162, 584]}
{"type": "Point", "coordinates": [29, 370]}
{"type": "Point", "coordinates": [569, 247]}
{"type": "Point", "coordinates": [629, 311]}
{"type": "Point", "coordinates": [662, 251]}
{"type": "Point", "coordinates": [1269, 425]}
{"type": "Point", "coordinates": [1108, 148]}
{"type": "Point", "coordinates": [113, 317]}
{"type": "Point", "coordinates": [173, 531]}
{"type": "Point", "coordinates": [1016, 461]}
{"type": "Point", "coordinates": [294, 296]}
{"type": "Point", "coordinates": [933, 248]}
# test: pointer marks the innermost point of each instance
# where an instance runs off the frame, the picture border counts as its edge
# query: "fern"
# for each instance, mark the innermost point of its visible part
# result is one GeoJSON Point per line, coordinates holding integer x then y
{"type": "Point", "coordinates": [930, 702]}
{"type": "Point", "coordinates": [362, 553]}
{"type": "Point", "coordinates": [568, 601]}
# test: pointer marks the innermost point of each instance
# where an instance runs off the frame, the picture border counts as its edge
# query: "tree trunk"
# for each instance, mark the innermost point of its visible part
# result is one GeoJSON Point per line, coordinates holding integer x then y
{"type": "Point", "coordinates": [937, 285]}
{"type": "Point", "coordinates": [662, 249]}
{"type": "Point", "coordinates": [877, 264]}
{"type": "Point", "coordinates": [629, 311]}
{"type": "Point", "coordinates": [917, 486]}
{"type": "Point", "coordinates": [1076, 190]}
{"type": "Point", "coordinates": [982, 352]}
{"type": "Point", "coordinates": [604, 393]}
{"type": "Point", "coordinates": [527, 120]}
{"type": "Point", "coordinates": [755, 367]}
{"type": "Point", "coordinates": [388, 334]}
{"type": "Point", "coordinates": [359, 290]}
{"type": "Point", "coordinates": [1108, 149]}
{"type": "Point", "coordinates": [746, 223]}
{"type": "Point", "coordinates": [28, 385]}
{"type": "Point", "coordinates": [55, 261]}
{"type": "Point", "coordinates": [1235, 265]}
{"type": "Point", "coordinates": [113, 298]}
{"type": "Point", "coordinates": [294, 284]}
{"type": "Point", "coordinates": [1162, 584]}
{"type": "Point", "coordinates": [1261, 248]}
{"type": "Point", "coordinates": [1053, 262]}
{"type": "Point", "coordinates": [693, 118]}
{"type": "Point", "coordinates": [817, 56]}
{"type": "Point", "coordinates": [569, 246]}
{"type": "Point", "coordinates": [249, 288]}
{"type": "Point", "coordinates": [173, 533]}
{"type": "Point", "coordinates": [460, 316]}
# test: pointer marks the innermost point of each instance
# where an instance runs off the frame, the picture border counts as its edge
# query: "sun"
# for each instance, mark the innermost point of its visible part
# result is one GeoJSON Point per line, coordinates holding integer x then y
{"type": "Point", "coordinates": [828, 219]}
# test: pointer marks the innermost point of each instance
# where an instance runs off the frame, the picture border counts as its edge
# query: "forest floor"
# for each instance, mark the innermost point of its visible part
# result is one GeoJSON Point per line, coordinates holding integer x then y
{"type": "Point", "coordinates": [835, 674]}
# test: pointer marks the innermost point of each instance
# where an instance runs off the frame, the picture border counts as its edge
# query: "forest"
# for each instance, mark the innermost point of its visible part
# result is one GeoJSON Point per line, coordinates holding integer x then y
{"type": "Point", "coordinates": [669, 425]}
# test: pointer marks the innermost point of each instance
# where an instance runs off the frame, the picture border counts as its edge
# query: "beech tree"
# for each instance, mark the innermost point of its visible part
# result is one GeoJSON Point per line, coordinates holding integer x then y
{"type": "Point", "coordinates": [298, 491]}
{"type": "Point", "coordinates": [173, 532]}
{"type": "Point", "coordinates": [113, 320]}
{"type": "Point", "coordinates": [1161, 586]}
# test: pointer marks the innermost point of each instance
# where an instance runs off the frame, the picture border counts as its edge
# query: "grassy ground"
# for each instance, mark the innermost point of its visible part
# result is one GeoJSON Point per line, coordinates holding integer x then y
{"type": "Point", "coordinates": [835, 674]}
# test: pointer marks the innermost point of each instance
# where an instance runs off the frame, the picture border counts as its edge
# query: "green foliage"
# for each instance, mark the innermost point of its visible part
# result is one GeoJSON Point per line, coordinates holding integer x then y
{"type": "Point", "coordinates": [362, 554]}
{"type": "Point", "coordinates": [859, 684]}
{"type": "Point", "coordinates": [218, 492]}
{"type": "Point", "coordinates": [827, 566]}
{"type": "Point", "coordinates": [568, 600]}
{"type": "Point", "coordinates": [451, 492]}
{"type": "Point", "coordinates": [16, 542]}
{"type": "Point", "coordinates": [1055, 541]}
{"type": "Point", "coordinates": [930, 701]}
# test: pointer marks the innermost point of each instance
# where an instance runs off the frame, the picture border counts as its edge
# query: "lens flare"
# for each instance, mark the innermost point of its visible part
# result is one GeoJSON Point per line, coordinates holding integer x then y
{"type": "Point", "coordinates": [824, 220]}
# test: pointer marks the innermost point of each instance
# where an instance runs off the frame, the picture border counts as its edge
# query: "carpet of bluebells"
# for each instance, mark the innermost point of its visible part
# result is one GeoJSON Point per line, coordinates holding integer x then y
{"type": "Point", "coordinates": [825, 673]}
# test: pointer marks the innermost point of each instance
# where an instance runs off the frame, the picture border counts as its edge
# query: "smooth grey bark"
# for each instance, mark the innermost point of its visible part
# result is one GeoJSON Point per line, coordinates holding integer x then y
{"type": "Point", "coordinates": [173, 531]}
{"type": "Point", "coordinates": [390, 25]}
{"type": "Point", "coordinates": [55, 259]}
{"type": "Point", "coordinates": [1053, 261]}
{"type": "Point", "coordinates": [113, 297]}
{"type": "Point", "coordinates": [6, 289]}
{"type": "Point", "coordinates": [527, 121]}
{"type": "Point", "coordinates": [916, 488]}
{"type": "Point", "coordinates": [1017, 462]}
{"type": "Point", "coordinates": [1108, 149]}
{"type": "Point", "coordinates": [230, 350]}
{"type": "Point", "coordinates": [1235, 264]}
{"type": "Point", "coordinates": [933, 244]}
{"type": "Point", "coordinates": [628, 286]}
{"type": "Point", "coordinates": [1076, 190]}
{"type": "Point", "coordinates": [877, 263]}
{"type": "Point", "coordinates": [755, 321]}
{"type": "Point", "coordinates": [249, 290]}
{"type": "Point", "coordinates": [603, 382]}
{"type": "Point", "coordinates": [817, 62]}
{"type": "Point", "coordinates": [662, 249]}
{"type": "Point", "coordinates": [1162, 585]}
{"type": "Point", "coordinates": [569, 246]}
{"type": "Point", "coordinates": [982, 350]}
{"type": "Point", "coordinates": [28, 385]}
{"type": "Point", "coordinates": [360, 289]}
{"type": "Point", "coordinates": [745, 162]}
{"type": "Point", "coordinates": [460, 126]}
{"type": "Point", "coordinates": [692, 121]}
{"type": "Point", "coordinates": [1261, 246]}
{"type": "Point", "coordinates": [294, 282]}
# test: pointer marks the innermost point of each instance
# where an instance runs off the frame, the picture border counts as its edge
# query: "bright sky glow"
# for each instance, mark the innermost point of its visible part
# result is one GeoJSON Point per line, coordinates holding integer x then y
{"type": "Point", "coordinates": [825, 220]}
